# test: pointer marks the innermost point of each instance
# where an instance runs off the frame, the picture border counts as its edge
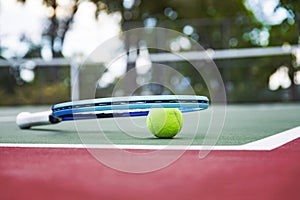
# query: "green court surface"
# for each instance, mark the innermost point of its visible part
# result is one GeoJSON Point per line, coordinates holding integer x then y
{"type": "Point", "coordinates": [243, 124]}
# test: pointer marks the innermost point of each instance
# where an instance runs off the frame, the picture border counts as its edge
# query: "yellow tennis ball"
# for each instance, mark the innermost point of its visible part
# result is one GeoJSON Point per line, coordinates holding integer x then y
{"type": "Point", "coordinates": [164, 122]}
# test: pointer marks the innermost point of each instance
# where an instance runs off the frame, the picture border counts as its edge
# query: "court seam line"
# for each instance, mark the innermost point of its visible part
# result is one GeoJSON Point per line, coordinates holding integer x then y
{"type": "Point", "coordinates": [265, 144]}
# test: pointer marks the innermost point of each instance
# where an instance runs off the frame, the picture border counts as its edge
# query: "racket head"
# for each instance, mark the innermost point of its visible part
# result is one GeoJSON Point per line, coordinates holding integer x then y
{"type": "Point", "coordinates": [127, 106]}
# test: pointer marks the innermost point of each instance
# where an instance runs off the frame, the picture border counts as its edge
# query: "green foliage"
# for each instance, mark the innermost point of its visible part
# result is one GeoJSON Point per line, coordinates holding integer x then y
{"type": "Point", "coordinates": [27, 94]}
{"type": "Point", "coordinates": [50, 86]}
{"type": "Point", "coordinates": [246, 80]}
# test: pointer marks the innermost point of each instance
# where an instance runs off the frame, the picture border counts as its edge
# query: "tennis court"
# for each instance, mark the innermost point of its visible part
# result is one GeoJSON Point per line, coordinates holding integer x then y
{"type": "Point", "coordinates": [94, 70]}
{"type": "Point", "coordinates": [48, 161]}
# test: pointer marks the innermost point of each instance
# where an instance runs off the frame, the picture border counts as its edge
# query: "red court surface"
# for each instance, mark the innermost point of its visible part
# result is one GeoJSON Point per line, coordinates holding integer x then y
{"type": "Point", "coordinates": [43, 173]}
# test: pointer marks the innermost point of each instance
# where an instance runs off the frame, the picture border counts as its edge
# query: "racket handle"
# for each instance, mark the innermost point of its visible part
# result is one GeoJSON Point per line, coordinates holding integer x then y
{"type": "Point", "coordinates": [25, 120]}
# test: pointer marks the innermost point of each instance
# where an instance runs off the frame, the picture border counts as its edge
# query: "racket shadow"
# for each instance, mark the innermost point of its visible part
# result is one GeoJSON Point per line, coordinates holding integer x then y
{"type": "Point", "coordinates": [60, 131]}
{"type": "Point", "coordinates": [155, 138]}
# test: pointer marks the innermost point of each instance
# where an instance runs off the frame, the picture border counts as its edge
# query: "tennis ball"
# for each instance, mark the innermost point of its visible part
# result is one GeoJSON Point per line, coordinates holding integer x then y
{"type": "Point", "coordinates": [164, 122]}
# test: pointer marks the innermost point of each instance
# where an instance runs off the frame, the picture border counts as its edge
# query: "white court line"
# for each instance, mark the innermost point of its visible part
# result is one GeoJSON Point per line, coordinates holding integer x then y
{"type": "Point", "coordinates": [265, 144]}
{"type": "Point", "coordinates": [274, 141]}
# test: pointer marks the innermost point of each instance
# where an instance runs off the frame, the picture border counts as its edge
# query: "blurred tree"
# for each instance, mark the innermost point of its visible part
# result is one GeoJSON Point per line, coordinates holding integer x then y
{"type": "Point", "coordinates": [60, 18]}
{"type": "Point", "coordinates": [215, 24]}
{"type": "Point", "coordinates": [57, 26]}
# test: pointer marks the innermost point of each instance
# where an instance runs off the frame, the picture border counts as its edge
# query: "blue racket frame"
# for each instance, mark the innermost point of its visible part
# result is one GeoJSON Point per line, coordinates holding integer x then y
{"type": "Point", "coordinates": [126, 106]}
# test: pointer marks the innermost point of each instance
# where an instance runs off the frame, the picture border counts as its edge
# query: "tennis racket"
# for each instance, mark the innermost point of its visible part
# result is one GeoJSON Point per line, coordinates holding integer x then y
{"type": "Point", "coordinates": [130, 106]}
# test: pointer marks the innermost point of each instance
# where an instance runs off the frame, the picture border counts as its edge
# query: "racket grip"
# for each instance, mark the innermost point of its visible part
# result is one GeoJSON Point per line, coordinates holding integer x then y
{"type": "Point", "coordinates": [25, 120]}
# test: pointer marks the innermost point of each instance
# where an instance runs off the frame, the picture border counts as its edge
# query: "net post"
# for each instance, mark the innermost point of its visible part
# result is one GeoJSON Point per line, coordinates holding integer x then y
{"type": "Point", "coordinates": [74, 73]}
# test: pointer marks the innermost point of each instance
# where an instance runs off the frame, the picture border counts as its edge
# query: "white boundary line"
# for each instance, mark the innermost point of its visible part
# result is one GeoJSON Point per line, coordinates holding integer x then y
{"type": "Point", "coordinates": [265, 144]}
{"type": "Point", "coordinates": [274, 141]}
